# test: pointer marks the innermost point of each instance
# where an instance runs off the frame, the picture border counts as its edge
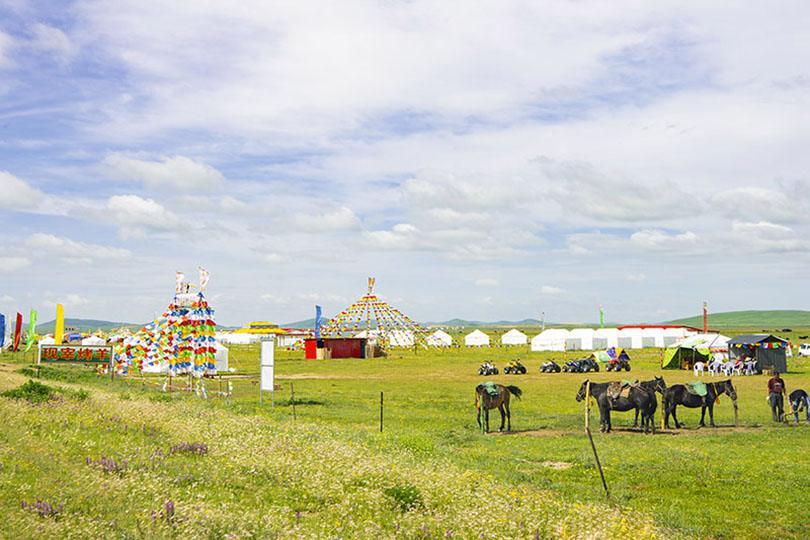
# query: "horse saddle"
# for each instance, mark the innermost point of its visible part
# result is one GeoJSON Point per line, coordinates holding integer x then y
{"type": "Point", "coordinates": [617, 389]}
{"type": "Point", "coordinates": [491, 389]}
{"type": "Point", "coordinates": [697, 388]}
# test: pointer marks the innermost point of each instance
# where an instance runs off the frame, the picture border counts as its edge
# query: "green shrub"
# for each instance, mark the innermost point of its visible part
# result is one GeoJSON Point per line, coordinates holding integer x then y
{"type": "Point", "coordinates": [404, 497]}
{"type": "Point", "coordinates": [32, 391]}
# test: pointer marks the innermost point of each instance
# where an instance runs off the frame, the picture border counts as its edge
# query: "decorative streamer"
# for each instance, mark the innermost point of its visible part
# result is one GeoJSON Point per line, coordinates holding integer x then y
{"type": "Point", "coordinates": [59, 331]}
{"type": "Point", "coordinates": [32, 330]}
{"type": "Point", "coordinates": [17, 333]}
{"type": "Point", "coordinates": [2, 331]}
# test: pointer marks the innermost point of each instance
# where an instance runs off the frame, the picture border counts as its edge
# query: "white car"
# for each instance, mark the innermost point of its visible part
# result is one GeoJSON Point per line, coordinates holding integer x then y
{"type": "Point", "coordinates": [804, 349]}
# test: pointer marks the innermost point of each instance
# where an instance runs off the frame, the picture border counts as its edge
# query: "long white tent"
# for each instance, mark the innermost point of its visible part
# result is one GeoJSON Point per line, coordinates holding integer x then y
{"type": "Point", "coordinates": [552, 339]}
{"type": "Point", "coordinates": [476, 338]}
{"type": "Point", "coordinates": [514, 337]}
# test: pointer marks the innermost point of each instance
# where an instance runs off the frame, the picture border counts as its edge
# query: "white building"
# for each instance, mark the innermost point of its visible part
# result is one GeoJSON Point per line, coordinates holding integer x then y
{"type": "Point", "coordinates": [552, 339]}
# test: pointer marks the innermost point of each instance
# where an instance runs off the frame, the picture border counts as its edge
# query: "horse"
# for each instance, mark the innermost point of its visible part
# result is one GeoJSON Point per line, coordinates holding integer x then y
{"type": "Point", "coordinates": [678, 395]}
{"type": "Point", "coordinates": [656, 384]}
{"type": "Point", "coordinates": [639, 398]}
{"type": "Point", "coordinates": [483, 400]}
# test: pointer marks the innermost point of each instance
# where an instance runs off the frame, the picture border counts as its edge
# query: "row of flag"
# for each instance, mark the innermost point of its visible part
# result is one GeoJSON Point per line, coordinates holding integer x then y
{"type": "Point", "coordinates": [32, 327]}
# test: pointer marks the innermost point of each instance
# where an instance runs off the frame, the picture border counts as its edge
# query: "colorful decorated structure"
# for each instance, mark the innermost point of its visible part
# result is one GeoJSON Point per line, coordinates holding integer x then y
{"type": "Point", "coordinates": [369, 314]}
{"type": "Point", "coordinates": [181, 340]}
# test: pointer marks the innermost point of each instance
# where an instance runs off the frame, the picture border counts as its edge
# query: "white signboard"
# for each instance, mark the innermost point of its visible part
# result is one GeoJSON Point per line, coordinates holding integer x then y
{"type": "Point", "coordinates": [268, 361]}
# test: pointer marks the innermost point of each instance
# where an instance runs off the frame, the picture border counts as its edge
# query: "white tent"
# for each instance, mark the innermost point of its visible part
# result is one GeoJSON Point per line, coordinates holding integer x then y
{"type": "Point", "coordinates": [652, 337]}
{"type": "Point", "coordinates": [552, 339]}
{"type": "Point", "coordinates": [49, 340]}
{"type": "Point", "coordinates": [476, 338]}
{"type": "Point", "coordinates": [439, 338]}
{"type": "Point", "coordinates": [400, 338]}
{"type": "Point", "coordinates": [671, 335]}
{"type": "Point", "coordinates": [580, 339]}
{"type": "Point", "coordinates": [221, 357]}
{"type": "Point", "coordinates": [240, 338]}
{"type": "Point", "coordinates": [630, 338]}
{"type": "Point", "coordinates": [514, 337]}
{"type": "Point", "coordinates": [605, 338]}
{"type": "Point", "coordinates": [713, 342]}
{"type": "Point", "coordinates": [94, 340]}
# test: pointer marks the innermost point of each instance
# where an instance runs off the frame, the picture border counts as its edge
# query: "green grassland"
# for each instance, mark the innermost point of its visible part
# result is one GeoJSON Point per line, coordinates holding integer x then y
{"type": "Point", "coordinates": [323, 469]}
{"type": "Point", "coordinates": [753, 320]}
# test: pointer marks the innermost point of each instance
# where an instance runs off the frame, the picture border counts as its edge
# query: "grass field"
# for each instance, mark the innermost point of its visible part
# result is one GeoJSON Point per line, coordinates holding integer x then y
{"type": "Point", "coordinates": [216, 467]}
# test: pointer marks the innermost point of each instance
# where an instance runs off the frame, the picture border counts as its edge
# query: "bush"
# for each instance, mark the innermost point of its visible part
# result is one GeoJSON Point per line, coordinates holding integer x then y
{"type": "Point", "coordinates": [32, 391]}
{"type": "Point", "coordinates": [404, 497]}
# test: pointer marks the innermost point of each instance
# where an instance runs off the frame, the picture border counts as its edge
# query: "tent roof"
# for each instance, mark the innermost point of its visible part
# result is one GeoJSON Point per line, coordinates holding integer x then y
{"type": "Point", "coordinates": [475, 333]}
{"type": "Point", "coordinates": [750, 339]}
{"type": "Point", "coordinates": [703, 341]}
{"type": "Point", "coordinates": [514, 332]}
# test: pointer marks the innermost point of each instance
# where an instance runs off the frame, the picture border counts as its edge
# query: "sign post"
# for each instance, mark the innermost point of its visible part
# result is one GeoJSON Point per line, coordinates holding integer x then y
{"type": "Point", "coordinates": [268, 361]}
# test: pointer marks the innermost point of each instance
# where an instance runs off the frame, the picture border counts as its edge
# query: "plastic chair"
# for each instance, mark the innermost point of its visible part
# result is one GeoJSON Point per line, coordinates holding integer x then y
{"type": "Point", "coordinates": [699, 368]}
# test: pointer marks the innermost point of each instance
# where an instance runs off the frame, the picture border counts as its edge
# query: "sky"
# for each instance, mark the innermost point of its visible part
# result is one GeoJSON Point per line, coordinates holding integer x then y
{"type": "Point", "coordinates": [483, 160]}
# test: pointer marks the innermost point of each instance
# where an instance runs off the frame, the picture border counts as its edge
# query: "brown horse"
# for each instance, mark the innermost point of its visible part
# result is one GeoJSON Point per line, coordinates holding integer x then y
{"type": "Point", "coordinates": [500, 401]}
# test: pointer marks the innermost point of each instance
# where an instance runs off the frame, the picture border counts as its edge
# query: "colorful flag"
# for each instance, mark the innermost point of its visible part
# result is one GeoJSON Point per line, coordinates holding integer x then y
{"type": "Point", "coordinates": [32, 330]}
{"type": "Point", "coordinates": [17, 332]}
{"type": "Point", "coordinates": [204, 275]}
{"type": "Point", "coordinates": [178, 282]}
{"type": "Point", "coordinates": [601, 317]}
{"type": "Point", "coordinates": [59, 331]}
{"type": "Point", "coordinates": [317, 322]}
{"type": "Point", "coordinates": [370, 285]}
{"type": "Point", "coordinates": [705, 318]}
{"type": "Point", "coordinates": [2, 330]}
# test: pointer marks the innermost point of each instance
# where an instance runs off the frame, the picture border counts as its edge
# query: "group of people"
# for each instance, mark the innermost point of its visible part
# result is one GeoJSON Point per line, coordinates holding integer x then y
{"type": "Point", "coordinates": [798, 399]}
{"type": "Point", "coordinates": [743, 364]}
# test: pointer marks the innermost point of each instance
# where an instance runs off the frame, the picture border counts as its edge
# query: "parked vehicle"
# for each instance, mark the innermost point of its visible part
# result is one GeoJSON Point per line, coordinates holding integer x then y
{"type": "Point", "coordinates": [550, 367]}
{"type": "Point", "coordinates": [487, 368]}
{"type": "Point", "coordinates": [804, 349]}
{"type": "Point", "coordinates": [618, 365]}
{"type": "Point", "coordinates": [515, 368]}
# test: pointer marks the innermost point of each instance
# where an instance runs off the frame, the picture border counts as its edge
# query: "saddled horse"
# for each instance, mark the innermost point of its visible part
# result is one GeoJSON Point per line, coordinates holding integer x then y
{"type": "Point", "coordinates": [677, 394]}
{"type": "Point", "coordinates": [638, 398]}
{"type": "Point", "coordinates": [484, 401]}
{"type": "Point", "coordinates": [656, 384]}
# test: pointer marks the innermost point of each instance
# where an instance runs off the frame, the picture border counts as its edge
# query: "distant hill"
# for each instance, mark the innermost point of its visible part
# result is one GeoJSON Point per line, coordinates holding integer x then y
{"type": "Point", "coordinates": [751, 319]}
{"type": "Point", "coordinates": [85, 325]}
{"type": "Point", "coordinates": [310, 323]}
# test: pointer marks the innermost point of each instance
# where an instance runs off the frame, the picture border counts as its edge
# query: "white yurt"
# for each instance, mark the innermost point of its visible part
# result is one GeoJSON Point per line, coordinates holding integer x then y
{"type": "Point", "coordinates": [605, 338]}
{"type": "Point", "coordinates": [579, 339]}
{"type": "Point", "coordinates": [552, 339]}
{"type": "Point", "coordinates": [221, 357]}
{"type": "Point", "coordinates": [514, 337]}
{"type": "Point", "coordinates": [439, 338]}
{"type": "Point", "coordinates": [476, 338]}
{"type": "Point", "coordinates": [400, 338]}
{"type": "Point", "coordinates": [48, 340]}
{"type": "Point", "coordinates": [94, 340]}
{"type": "Point", "coordinates": [240, 338]}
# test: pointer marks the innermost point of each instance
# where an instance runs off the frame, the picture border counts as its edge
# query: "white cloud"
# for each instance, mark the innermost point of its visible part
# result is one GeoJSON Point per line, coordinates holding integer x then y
{"type": "Point", "coordinates": [340, 219]}
{"type": "Point", "coordinates": [657, 240]}
{"type": "Point", "coordinates": [6, 299]}
{"type": "Point", "coordinates": [6, 44]}
{"type": "Point", "coordinates": [178, 172]}
{"type": "Point", "coordinates": [549, 289]}
{"type": "Point", "coordinates": [486, 282]}
{"type": "Point", "coordinates": [641, 276]}
{"type": "Point", "coordinates": [12, 264]}
{"type": "Point", "coordinates": [74, 252]}
{"type": "Point", "coordinates": [54, 40]}
{"type": "Point", "coordinates": [137, 215]}
{"type": "Point", "coordinates": [751, 203]}
{"type": "Point", "coordinates": [15, 193]}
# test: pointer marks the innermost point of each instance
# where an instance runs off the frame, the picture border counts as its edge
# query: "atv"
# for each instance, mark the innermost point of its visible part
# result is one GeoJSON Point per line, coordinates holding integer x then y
{"type": "Point", "coordinates": [618, 365]}
{"type": "Point", "coordinates": [550, 367]}
{"type": "Point", "coordinates": [588, 364]}
{"type": "Point", "coordinates": [487, 368]}
{"type": "Point", "coordinates": [515, 367]}
{"type": "Point", "coordinates": [572, 367]}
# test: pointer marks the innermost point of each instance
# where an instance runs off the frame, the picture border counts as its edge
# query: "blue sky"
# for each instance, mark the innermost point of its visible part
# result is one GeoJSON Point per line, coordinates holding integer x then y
{"type": "Point", "coordinates": [482, 161]}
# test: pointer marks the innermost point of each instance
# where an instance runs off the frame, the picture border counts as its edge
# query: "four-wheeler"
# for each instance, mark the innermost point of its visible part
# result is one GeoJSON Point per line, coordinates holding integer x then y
{"type": "Point", "coordinates": [515, 367]}
{"type": "Point", "coordinates": [487, 368]}
{"type": "Point", "coordinates": [618, 365]}
{"type": "Point", "coordinates": [550, 367]}
{"type": "Point", "coordinates": [583, 365]}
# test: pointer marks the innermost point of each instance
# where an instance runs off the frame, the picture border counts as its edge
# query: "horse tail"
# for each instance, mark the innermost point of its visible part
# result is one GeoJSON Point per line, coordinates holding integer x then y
{"type": "Point", "coordinates": [515, 391]}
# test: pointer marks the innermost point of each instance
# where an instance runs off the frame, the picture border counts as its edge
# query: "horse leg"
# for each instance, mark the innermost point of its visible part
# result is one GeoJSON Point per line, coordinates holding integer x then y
{"type": "Point", "coordinates": [503, 416]}
{"type": "Point", "coordinates": [486, 414]}
{"type": "Point", "coordinates": [508, 417]}
{"type": "Point", "coordinates": [675, 416]}
{"type": "Point", "coordinates": [703, 416]}
{"type": "Point", "coordinates": [478, 417]}
{"type": "Point", "coordinates": [711, 414]}
{"type": "Point", "coordinates": [635, 422]}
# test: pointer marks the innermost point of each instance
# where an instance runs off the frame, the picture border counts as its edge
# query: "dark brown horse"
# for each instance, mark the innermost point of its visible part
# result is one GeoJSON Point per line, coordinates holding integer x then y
{"type": "Point", "coordinates": [656, 384]}
{"type": "Point", "coordinates": [643, 401]}
{"type": "Point", "coordinates": [678, 395]}
{"type": "Point", "coordinates": [484, 401]}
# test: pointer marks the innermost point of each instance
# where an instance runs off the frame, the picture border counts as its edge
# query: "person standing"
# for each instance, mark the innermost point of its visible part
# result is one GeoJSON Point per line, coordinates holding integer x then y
{"type": "Point", "coordinates": [776, 392]}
